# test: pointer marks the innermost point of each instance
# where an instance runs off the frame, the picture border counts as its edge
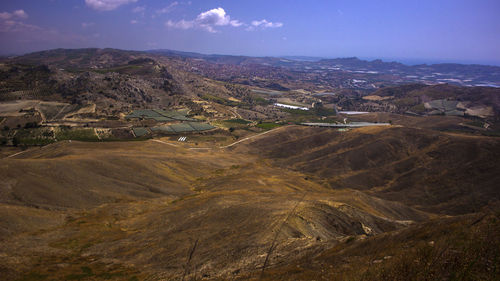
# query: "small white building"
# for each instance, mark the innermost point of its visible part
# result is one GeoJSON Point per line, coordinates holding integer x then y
{"type": "Point", "coordinates": [290, 106]}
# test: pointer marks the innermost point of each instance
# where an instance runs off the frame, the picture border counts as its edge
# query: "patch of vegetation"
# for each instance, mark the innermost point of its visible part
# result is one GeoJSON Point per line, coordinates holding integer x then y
{"type": "Point", "coordinates": [297, 111]}
{"type": "Point", "coordinates": [419, 108]}
{"type": "Point", "coordinates": [140, 131]}
{"type": "Point", "coordinates": [322, 111]}
{"type": "Point", "coordinates": [268, 125]}
{"type": "Point", "coordinates": [476, 123]}
{"type": "Point", "coordinates": [35, 141]}
{"type": "Point", "coordinates": [219, 100]}
{"type": "Point", "coordinates": [237, 121]}
{"type": "Point", "coordinates": [76, 134]}
{"type": "Point", "coordinates": [261, 101]}
{"type": "Point", "coordinates": [33, 137]}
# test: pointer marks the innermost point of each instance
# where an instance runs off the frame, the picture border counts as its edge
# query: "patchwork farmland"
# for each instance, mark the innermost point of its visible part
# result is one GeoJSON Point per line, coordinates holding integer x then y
{"type": "Point", "coordinates": [186, 124]}
{"type": "Point", "coordinates": [158, 115]}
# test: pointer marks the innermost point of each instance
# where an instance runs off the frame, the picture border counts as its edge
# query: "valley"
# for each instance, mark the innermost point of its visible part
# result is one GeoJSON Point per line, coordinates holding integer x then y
{"type": "Point", "coordinates": [128, 165]}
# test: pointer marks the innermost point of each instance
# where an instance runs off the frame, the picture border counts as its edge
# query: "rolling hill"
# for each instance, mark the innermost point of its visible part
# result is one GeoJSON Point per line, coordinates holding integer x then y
{"type": "Point", "coordinates": [99, 210]}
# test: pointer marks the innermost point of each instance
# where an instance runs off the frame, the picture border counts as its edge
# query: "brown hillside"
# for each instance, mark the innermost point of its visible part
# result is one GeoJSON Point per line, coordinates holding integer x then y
{"type": "Point", "coordinates": [135, 209]}
{"type": "Point", "coordinates": [429, 170]}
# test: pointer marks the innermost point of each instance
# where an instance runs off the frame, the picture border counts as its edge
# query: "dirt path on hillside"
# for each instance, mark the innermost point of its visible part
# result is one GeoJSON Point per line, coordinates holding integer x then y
{"type": "Point", "coordinates": [220, 147]}
{"type": "Point", "coordinates": [250, 137]}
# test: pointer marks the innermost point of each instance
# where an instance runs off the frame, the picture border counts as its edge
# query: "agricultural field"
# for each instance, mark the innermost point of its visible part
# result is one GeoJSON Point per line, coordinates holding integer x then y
{"type": "Point", "coordinates": [237, 121]}
{"type": "Point", "coordinates": [268, 125]}
{"type": "Point", "coordinates": [31, 136]}
{"type": "Point", "coordinates": [15, 108]}
{"type": "Point", "coordinates": [186, 127]}
{"type": "Point", "coordinates": [49, 111]}
{"type": "Point", "coordinates": [140, 131]}
{"type": "Point", "coordinates": [201, 126]}
{"type": "Point", "coordinates": [163, 129]}
{"type": "Point", "coordinates": [75, 134]}
{"type": "Point", "coordinates": [167, 116]}
{"type": "Point", "coordinates": [39, 136]}
{"type": "Point", "coordinates": [233, 123]}
{"type": "Point", "coordinates": [158, 115]}
{"type": "Point", "coordinates": [175, 115]}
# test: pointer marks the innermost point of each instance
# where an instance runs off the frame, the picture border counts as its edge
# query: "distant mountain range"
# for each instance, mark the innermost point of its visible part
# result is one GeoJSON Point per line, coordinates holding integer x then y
{"type": "Point", "coordinates": [453, 73]}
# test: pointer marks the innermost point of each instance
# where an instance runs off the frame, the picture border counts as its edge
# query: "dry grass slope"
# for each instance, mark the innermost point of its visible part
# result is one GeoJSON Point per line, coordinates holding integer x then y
{"type": "Point", "coordinates": [152, 211]}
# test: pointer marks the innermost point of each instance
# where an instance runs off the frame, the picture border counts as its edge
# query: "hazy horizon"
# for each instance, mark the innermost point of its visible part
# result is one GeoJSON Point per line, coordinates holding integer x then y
{"type": "Point", "coordinates": [406, 61]}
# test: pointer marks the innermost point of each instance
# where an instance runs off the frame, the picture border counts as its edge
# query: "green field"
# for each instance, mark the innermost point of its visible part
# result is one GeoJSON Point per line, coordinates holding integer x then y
{"type": "Point", "coordinates": [201, 126]}
{"type": "Point", "coordinates": [33, 136]}
{"type": "Point", "coordinates": [76, 134]}
{"type": "Point", "coordinates": [140, 131]}
{"type": "Point", "coordinates": [167, 129]}
{"type": "Point", "coordinates": [220, 100]}
{"type": "Point", "coordinates": [237, 121]}
{"type": "Point", "coordinates": [182, 128]}
{"type": "Point", "coordinates": [296, 111]}
{"type": "Point", "coordinates": [268, 125]}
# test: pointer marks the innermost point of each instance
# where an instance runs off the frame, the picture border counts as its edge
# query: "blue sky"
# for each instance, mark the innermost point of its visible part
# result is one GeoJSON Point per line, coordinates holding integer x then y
{"type": "Point", "coordinates": [424, 30]}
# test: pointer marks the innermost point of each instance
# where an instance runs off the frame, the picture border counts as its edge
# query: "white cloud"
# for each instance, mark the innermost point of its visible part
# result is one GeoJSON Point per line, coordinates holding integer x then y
{"type": "Point", "coordinates": [13, 22]}
{"type": "Point", "coordinates": [168, 8]}
{"type": "Point", "coordinates": [207, 20]}
{"type": "Point", "coordinates": [213, 17]}
{"type": "Point", "coordinates": [107, 5]}
{"type": "Point", "coordinates": [266, 24]}
{"type": "Point", "coordinates": [19, 14]}
{"type": "Point", "coordinates": [134, 22]}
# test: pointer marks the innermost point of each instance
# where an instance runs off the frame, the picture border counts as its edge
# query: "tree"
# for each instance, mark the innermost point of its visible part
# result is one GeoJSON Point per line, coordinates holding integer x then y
{"type": "Point", "coordinates": [15, 141]}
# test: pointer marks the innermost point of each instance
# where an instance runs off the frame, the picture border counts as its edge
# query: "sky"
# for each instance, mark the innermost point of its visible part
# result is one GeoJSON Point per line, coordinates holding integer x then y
{"type": "Point", "coordinates": [464, 31]}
